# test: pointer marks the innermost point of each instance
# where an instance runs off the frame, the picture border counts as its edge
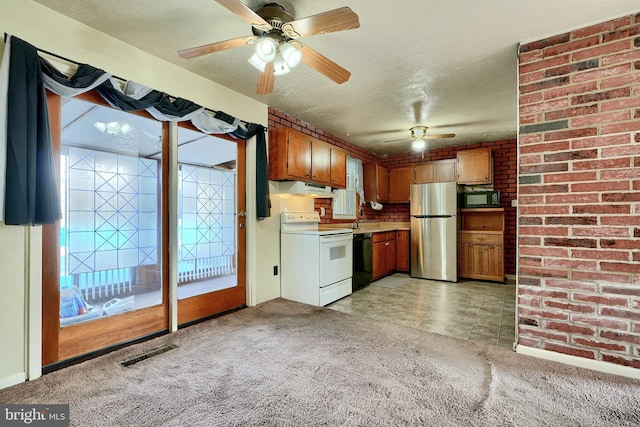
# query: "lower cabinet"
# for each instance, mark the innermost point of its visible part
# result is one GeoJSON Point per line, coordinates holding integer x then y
{"type": "Point", "coordinates": [402, 251]}
{"type": "Point", "coordinates": [383, 259]}
{"type": "Point", "coordinates": [481, 250]}
{"type": "Point", "coordinates": [481, 255]}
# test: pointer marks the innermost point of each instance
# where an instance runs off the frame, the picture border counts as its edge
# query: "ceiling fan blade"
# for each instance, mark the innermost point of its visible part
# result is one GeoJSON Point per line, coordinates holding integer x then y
{"type": "Point", "coordinates": [439, 136]}
{"type": "Point", "coordinates": [398, 140]}
{"type": "Point", "coordinates": [327, 22]}
{"type": "Point", "coordinates": [324, 65]}
{"type": "Point", "coordinates": [266, 80]}
{"type": "Point", "coordinates": [245, 13]}
{"type": "Point", "coordinates": [216, 47]}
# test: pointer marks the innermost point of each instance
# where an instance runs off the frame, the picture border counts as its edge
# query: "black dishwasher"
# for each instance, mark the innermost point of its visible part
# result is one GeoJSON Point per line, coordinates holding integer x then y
{"type": "Point", "coordinates": [361, 260]}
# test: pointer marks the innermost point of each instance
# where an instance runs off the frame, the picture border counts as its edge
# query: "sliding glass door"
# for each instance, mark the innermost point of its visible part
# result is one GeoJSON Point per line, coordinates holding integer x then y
{"type": "Point", "coordinates": [106, 263]}
{"type": "Point", "coordinates": [210, 233]}
{"type": "Point", "coordinates": [107, 283]}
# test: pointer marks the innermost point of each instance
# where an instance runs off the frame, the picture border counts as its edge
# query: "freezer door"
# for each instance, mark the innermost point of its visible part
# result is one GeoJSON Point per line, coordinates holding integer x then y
{"type": "Point", "coordinates": [434, 248]}
{"type": "Point", "coordinates": [434, 199]}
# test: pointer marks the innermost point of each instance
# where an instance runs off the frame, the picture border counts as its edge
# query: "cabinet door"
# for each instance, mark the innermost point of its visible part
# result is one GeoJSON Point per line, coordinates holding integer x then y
{"type": "Point", "coordinates": [474, 166]}
{"type": "Point", "coordinates": [490, 262]}
{"type": "Point", "coordinates": [376, 182]}
{"type": "Point", "coordinates": [383, 184]}
{"type": "Point", "coordinates": [424, 173]}
{"type": "Point", "coordinates": [321, 162]}
{"type": "Point", "coordinates": [400, 180]}
{"type": "Point", "coordinates": [391, 255]}
{"type": "Point", "coordinates": [379, 259]}
{"type": "Point", "coordinates": [445, 171]}
{"type": "Point", "coordinates": [298, 156]}
{"type": "Point", "coordinates": [338, 168]}
{"type": "Point", "coordinates": [466, 260]}
{"type": "Point", "coordinates": [402, 250]}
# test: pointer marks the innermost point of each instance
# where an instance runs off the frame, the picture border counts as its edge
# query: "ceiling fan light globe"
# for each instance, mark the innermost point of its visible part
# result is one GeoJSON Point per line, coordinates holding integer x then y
{"type": "Point", "coordinates": [258, 63]}
{"type": "Point", "coordinates": [266, 49]}
{"type": "Point", "coordinates": [418, 144]}
{"type": "Point", "coordinates": [280, 66]}
{"type": "Point", "coordinates": [101, 126]}
{"type": "Point", "coordinates": [291, 55]}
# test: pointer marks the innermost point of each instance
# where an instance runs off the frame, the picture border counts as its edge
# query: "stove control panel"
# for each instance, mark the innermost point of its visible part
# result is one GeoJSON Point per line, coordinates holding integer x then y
{"type": "Point", "coordinates": [300, 217]}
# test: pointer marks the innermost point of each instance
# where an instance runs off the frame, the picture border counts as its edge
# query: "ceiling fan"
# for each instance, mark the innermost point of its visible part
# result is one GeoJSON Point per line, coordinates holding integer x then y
{"type": "Point", "coordinates": [419, 137]}
{"type": "Point", "coordinates": [276, 34]}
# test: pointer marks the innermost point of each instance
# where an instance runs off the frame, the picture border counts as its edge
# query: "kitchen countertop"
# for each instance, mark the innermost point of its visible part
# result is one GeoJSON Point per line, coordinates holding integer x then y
{"type": "Point", "coordinates": [369, 227]}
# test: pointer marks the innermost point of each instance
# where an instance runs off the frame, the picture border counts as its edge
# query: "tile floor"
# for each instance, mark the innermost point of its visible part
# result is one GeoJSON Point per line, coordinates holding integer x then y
{"type": "Point", "coordinates": [472, 310]}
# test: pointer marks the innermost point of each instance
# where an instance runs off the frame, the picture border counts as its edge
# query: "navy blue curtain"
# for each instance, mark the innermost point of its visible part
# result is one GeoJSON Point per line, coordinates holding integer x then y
{"type": "Point", "coordinates": [31, 193]}
{"type": "Point", "coordinates": [263, 203]}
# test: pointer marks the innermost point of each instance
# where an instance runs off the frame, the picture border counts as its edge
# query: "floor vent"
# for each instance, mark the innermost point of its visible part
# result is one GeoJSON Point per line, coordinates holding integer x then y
{"type": "Point", "coordinates": [147, 355]}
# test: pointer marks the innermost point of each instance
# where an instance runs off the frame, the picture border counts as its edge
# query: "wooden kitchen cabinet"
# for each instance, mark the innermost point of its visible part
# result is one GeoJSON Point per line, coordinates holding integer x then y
{"type": "Point", "coordinates": [383, 259]}
{"type": "Point", "coordinates": [402, 250]}
{"type": "Point", "coordinates": [338, 168]}
{"type": "Point", "coordinates": [400, 180]}
{"type": "Point", "coordinates": [474, 166]}
{"type": "Point", "coordinates": [320, 162]}
{"type": "Point", "coordinates": [482, 244]}
{"type": "Point", "coordinates": [376, 182]}
{"type": "Point", "coordinates": [436, 171]}
{"type": "Point", "coordinates": [296, 156]}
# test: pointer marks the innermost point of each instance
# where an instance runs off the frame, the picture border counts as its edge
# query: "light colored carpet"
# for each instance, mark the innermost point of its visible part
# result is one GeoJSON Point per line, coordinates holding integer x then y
{"type": "Point", "coordinates": [288, 364]}
{"type": "Point", "coordinates": [392, 281]}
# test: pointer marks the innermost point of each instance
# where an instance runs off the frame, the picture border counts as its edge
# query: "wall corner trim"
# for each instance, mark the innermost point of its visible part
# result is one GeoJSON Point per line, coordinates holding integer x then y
{"type": "Point", "coordinates": [580, 362]}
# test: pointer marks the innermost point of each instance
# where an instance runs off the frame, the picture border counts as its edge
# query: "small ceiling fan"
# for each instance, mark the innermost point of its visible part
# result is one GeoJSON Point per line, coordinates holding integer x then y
{"type": "Point", "coordinates": [276, 34]}
{"type": "Point", "coordinates": [419, 137]}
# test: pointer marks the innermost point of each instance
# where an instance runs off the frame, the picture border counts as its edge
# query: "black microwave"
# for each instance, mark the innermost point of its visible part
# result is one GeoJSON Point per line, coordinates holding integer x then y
{"type": "Point", "coordinates": [481, 199]}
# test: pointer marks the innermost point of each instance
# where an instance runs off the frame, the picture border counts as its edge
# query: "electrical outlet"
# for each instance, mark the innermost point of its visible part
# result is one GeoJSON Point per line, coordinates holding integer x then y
{"type": "Point", "coordinates": [275, 270]}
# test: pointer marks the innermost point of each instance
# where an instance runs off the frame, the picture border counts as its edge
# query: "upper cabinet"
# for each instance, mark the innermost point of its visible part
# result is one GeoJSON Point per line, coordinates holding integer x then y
{"type": "Point", "coordinates": [474, 166]}
{"type": "Point", "coordinates": [393, 185]}
{"type": "Point", "coordinates": [436, 171]}
{"type": "Point", "coordinates": [376, 182]}
{"type": "Point", "coordinates": [300, 157]}
{"type": "Point", "coordinates": [400, 180]}
{"type": "Point", "coordinates": [338, 167]}
{"type": "Point", "coordinates": [320, 161]}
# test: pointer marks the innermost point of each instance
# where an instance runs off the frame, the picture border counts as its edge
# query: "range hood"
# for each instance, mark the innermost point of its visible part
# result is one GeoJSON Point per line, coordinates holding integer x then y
{"type": "Point", "coordinates": [305, 189]}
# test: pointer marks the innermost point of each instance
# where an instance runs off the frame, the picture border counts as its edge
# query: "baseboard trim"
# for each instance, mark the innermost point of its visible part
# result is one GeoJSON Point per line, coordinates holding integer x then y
{"type": "Point", "coordinates": [580, 362]}
{"type": "Point", "coordinates": [12, 380]}
{"type": "Point", "coordinates": [92, 355]}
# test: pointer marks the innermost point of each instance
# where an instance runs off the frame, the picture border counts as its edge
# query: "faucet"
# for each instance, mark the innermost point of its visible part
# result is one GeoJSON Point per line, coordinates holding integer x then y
{"type": "Point", "coordinates": [356, 224]}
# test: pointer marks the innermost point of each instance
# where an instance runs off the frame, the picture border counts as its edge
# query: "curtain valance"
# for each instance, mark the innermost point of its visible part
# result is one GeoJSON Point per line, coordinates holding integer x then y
{"type": "Point", "coordinates": [29, 194]}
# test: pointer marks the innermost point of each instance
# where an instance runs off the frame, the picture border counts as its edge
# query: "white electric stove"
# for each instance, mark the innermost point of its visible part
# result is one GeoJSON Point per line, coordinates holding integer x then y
{"type": "Point", "coordinates": [316, 265]}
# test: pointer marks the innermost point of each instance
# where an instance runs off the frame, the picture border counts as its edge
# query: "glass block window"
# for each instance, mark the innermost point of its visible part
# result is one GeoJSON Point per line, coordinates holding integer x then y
{"type": "Point", "coordinates": [206, 224]}
{"type": "Point", "coordinates": [112, 215]}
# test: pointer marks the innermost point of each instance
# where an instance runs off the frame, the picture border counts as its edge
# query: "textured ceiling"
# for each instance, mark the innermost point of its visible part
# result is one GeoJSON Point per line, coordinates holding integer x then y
{"type": "Point", "coordinates": [449, 65]}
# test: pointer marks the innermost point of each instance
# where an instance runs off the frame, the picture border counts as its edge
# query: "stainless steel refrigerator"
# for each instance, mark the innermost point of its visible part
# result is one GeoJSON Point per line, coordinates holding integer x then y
{"type": "Point", "coordinates": [434, 231]}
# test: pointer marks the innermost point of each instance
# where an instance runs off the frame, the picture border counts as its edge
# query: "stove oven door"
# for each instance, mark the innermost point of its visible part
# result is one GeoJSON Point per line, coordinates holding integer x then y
{"type": "Point", "coordinates": [336, 255]}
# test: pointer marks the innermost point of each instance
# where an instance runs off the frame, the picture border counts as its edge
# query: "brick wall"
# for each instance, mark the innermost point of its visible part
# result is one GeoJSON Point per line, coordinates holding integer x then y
{"type": "Point", "coordinates": [579, 185]}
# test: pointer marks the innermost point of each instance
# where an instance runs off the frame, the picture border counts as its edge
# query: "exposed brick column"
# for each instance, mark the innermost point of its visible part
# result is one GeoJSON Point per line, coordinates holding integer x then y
{"type": "Point", "coordinates": [579, 198]}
